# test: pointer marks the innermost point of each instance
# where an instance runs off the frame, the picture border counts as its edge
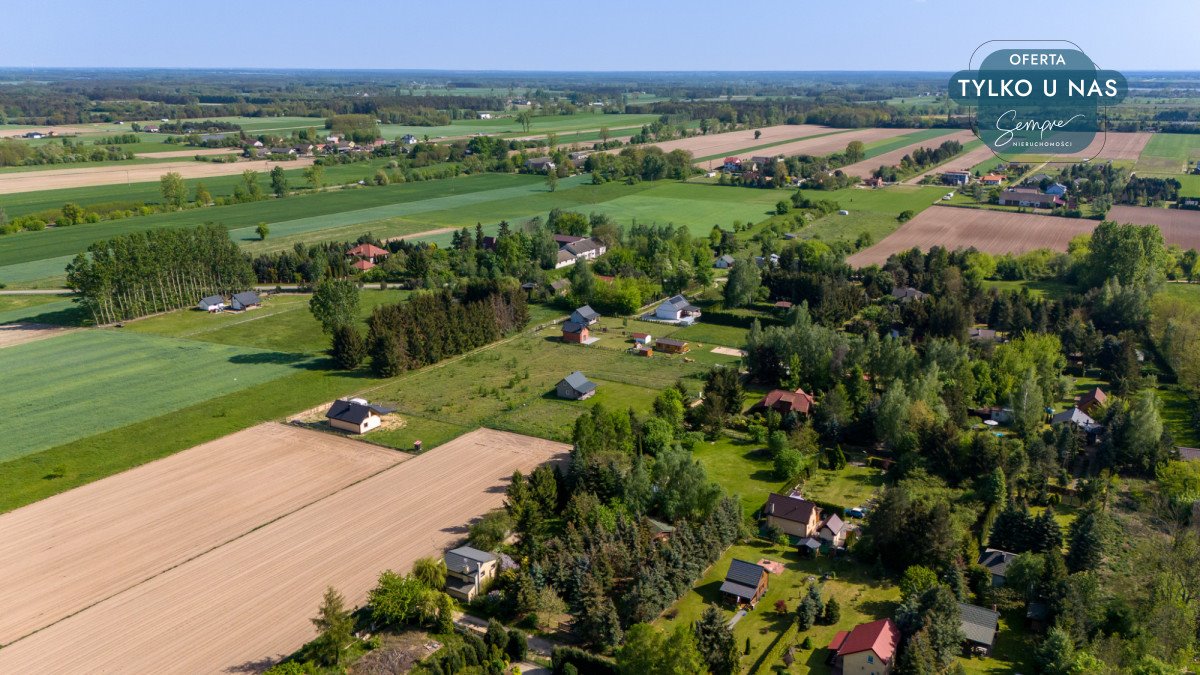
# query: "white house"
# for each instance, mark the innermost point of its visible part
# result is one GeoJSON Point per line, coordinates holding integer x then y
{"type": "Point", "coordinates": [355, 415]}
{"type": "Point", "coordinates": [408, 139]}
{"type": "Point", "coordinates": [213, 304]}
{"type": "Point", "coordinates": [677, 308]}
{"type": "Point", "coordinates": [485, 116]}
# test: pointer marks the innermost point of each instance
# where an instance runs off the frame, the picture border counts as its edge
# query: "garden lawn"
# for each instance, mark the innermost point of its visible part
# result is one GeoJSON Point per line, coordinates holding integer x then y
{"type": "Point", "coordinates": [742, 468]}
{"type": "Point", "coordinates": [709, 335]}
{"type": "Point", "coordinates": [98, 380]}
{"type": "Point", "coordinates": [862, 597]}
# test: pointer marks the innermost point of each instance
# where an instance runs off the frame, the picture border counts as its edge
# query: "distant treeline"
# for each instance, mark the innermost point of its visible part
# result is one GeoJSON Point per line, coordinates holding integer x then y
{"type": "Point", "coordinates": [157, 271]}
{"type": "Point", "coordinates": [432, 326]}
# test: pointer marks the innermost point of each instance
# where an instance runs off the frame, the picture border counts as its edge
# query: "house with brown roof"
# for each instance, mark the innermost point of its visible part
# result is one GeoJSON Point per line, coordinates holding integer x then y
{"type": "Point", "coordinates": [992, 179]}
{"type": "Point", "coordinates": [869, 648]}
{"type": "Point", "coordinates": [792, 515]}
{"type": "Point", "coordinates": [671, 346]}
{"type": "Point", "coordinates": [745, 583]}
{"type": "Point", "coordinates": [1092, 400]}
{"type": "Point", "coordinates": [783, 401]}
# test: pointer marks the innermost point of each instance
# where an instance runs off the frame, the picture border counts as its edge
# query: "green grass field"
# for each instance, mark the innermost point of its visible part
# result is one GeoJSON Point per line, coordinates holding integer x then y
{"type": "Point", "coordinates": [92, 381]}
{"type": "Point", "coordinates": [1168, 154]}
{"type": "Point", "coordinates": [506, 125]}
{"type": "Point", "coordinates": [871, 211]}
{"type": "Point", "coordinates": [879, 147]}
{"type": "Point", "coordinates": [56, 309]}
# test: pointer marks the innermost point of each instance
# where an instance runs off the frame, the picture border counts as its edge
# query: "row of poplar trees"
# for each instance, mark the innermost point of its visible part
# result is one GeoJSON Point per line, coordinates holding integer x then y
{"type": "Point", "coordinates": [144, 273]}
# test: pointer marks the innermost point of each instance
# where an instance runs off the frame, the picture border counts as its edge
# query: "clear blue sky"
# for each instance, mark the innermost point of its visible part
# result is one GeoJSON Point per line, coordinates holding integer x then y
{"type": "Point", "coordinates": [588, 34]}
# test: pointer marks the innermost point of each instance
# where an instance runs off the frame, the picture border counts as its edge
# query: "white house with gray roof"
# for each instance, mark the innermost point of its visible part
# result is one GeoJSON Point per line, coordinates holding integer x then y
{"type": "Point", "coordinates": [468, 570]}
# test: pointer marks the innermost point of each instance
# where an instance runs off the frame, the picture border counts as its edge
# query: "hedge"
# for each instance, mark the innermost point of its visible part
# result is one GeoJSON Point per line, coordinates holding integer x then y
{"type": "Point", "coordinates": [586, 663]}
{"type": "Point", "coordinates": [775, 652]}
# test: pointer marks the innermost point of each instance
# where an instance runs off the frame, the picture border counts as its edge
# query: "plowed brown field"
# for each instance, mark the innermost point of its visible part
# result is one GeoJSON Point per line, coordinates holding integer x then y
{"type": "Point", "coordinates": [1010, 232]}
{"type": "Point", "coordinates": [244, 604]}
{"type": "Point", "coordinates": [53, 179]}
{"type": "Point", "coordinates": [72, 550]}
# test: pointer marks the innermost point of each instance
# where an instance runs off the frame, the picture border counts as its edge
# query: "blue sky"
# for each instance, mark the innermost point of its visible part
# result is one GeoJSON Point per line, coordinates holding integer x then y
{"type": "Point", "coordinates": [589, 35]}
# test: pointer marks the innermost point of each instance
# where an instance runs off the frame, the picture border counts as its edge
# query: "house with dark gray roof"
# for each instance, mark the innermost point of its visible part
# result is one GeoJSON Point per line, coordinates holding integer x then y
{"type": "Point", "coordinates": [212, 303]}
{"type": "Point", "coordinates": [997, 562]}
{"type": "Point", "coordinates": [745, 582]}
{"type": "Point", "coordinates": [907, 294]}
{"type": "Point", "coordinates": [677, 308]}
{"type": "Point", "coordinates": [585, 315]}
{"type": "Point", "coordinates": [792, 515]}
{"type": "Point", "coordinates": [834, 530]}
{"type": "Point", "coordinates": [724, 262]}
{"type": "Point", "coordinates": [245, 300]}
{"type": "Point", "coordinates": [979, 626]}
{"type": "Point", "coordinates": [575, 387]}
{"type": "Point", "coordinates": [467, 572]}
{"type": "Point", "coordinates": [1079, 419]}
{"type": "Point", "coordinates": [356, 415]}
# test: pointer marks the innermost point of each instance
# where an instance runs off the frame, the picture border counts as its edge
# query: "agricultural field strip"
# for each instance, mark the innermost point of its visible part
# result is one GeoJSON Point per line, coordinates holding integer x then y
{"type": "Point", "coordinates": [137, 377]}
{"type": "Point", "coordinates": [12, 183]}
{"type": "Point", "coordinates": [996, 231]}
{"type": "Point", "coordinates": [864, 168]}
{"type": "Point", "coordinates": [249, 601]}
{"type": "Point", "coordinates": [768, 146]}
{"type": "Point", "coordinates": [403, 209]}
{"type": "Point", "coordinates": [71, 551]}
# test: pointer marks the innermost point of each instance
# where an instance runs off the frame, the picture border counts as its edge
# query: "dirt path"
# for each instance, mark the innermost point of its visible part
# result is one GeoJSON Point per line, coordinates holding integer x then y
{"type": "Point", "coordinates": [63, 554]}
{"type": "Point", "coordinates": [12, 334]}
{"type": "Point", "coordinates": [426, 233]}
{"type": "Point", "coordinates": [54, 179]}
{"type": "Point", "coordinates": [243, 605]}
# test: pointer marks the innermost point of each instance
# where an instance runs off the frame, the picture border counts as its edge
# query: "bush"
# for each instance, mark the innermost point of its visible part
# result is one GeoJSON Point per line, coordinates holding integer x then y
{"type": "Point", "coordinates": [518, 646]}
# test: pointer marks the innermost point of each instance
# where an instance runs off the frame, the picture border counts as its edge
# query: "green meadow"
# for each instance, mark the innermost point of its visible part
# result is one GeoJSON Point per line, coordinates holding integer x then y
{"type": "Point", "coordinates": [91, 381]}
{"type": "Point", "coordinates": [871, 211]}
{"type": "Point", "coordinates": [1168, 153]}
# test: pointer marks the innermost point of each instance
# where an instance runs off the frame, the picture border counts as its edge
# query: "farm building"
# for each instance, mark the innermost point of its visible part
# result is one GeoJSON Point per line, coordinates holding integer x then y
{"type": "Point", "coordinates": [867, 648]}
{"type": "Point", "coordinates": [573, 331]}
{"type": "Point", "coordinates": [745, 582]}
{"type": "Point", "coordinates": [997, 562]}
{"type": "Point", "coordinates": [724, 262]}
{"type": "Point", "coordinates": [792, 515]}
{"type": "Point", "coordinates": [783, 401]}
{"type": "Point", "coordinates": [1028, 197]}
{"type": "Point", "coordinates": [245, 300]}
{"type": "Point", "coordinates": [213, 303]}
{"type": "Point", "coordinates": [979, 626]}
{"type": "Point", "coordinates": [671, 346]}
{"type": "Point", "coordinates": [369, 252]}
{"type": "Point", "coordinates": [576, 387]}
{"type": "Point", "coordinates": [585, 315]}
{"type": "Point", "coordinates": [677, 308]}
{"type": "Point", "coordinates": [355, 415]}
{"type": "Point", "coordinates": [539, 165]}
{"type": "Point", "coordinates": [467, 572]}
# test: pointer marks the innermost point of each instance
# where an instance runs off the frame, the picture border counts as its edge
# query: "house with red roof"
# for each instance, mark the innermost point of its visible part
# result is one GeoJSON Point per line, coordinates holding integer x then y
{"type": "Point", "coordinates": [732, 164]}
{"type": "Point", "coordinates": [868, 649]}
{"type": "Point", "coordinates": [367, 252]}
{"type": "Point", "coordinates": [363, 265]}
{"type": "Point", "coordinates": [1092, 400]}
{"type": "Point", "coordinates": [783, 401]}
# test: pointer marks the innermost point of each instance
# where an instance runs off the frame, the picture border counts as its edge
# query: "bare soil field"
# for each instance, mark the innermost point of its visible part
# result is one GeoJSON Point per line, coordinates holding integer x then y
{"type": "Point", "coordinates": [963, 162]}
{"type": "Point", "coordinates": [203, 152]}
{"type": "Point", "coordinates": [53, 179]}
{"type": "Point", "coordinates": [728, 351]}
{"type": "Point", "coordinates": [13, 334]}
{"type": "Point", "coordinates": [986, 230]}
{"type": "Point", "coordinates": [1179, 226]}
{"type": "Point", "coordinates": [66, 553]}
{"type": "Point", "coordinates": [240, 607]}
{"type": "Point", "coordinates": [864, 168]}
{"type": "Point", "coordinates": [825, 145]}
{"type": "Point", "coordinates": [1114, 145]}
{"type": "Point", "coordinates": [732, 142]}
{"type": "Point", "coordinates": [61, 131]}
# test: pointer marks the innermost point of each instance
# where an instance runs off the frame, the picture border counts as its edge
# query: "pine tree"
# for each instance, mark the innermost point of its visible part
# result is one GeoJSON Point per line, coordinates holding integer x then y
{"type": "Point", "coordinates": [1087, 540]}
{"type": "Point", "coordinates": [833, 612]}
{"type": "Point", "coordinates": [348, 348]}
{"type": "Point", "coordinates": [715, 641]}
{"type": "Point", "coordinates": [917, 656]}
{"type": "Point", "coordinates": [1046, 534]}
{"type": "Point", "coordinates": [335, 627]}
